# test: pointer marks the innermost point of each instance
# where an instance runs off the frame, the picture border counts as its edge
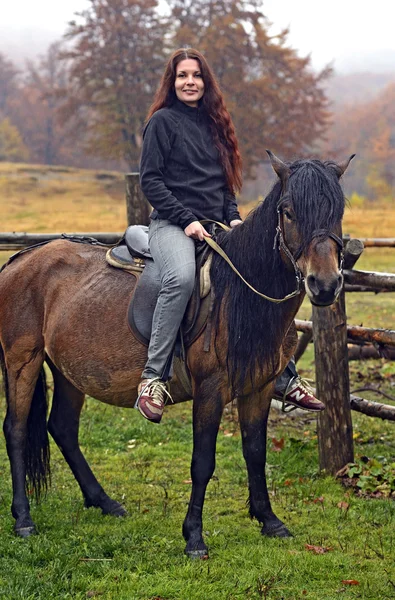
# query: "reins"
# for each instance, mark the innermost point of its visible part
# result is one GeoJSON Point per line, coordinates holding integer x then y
{"type": "Point", "coordinates": [282, 246]}
{"type": "Point", "coordinates": [222, 253]}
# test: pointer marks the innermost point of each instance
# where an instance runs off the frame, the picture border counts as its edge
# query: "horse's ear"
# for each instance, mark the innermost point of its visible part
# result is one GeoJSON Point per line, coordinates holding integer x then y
{"type": "Point", "coordinates": [341, 168]}
{"type": "Point", "coordinates": [280, 168]}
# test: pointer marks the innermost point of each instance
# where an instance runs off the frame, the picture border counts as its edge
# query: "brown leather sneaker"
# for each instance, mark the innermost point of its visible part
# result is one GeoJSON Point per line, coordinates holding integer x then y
{"type": "Point", "coordinates": [151, 399]}
{"type": "Point", "coordinates": [299, 394]}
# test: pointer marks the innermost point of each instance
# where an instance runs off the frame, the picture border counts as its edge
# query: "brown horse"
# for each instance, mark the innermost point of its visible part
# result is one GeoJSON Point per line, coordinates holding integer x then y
{"type": "Point", "coordinates": [61, 303]}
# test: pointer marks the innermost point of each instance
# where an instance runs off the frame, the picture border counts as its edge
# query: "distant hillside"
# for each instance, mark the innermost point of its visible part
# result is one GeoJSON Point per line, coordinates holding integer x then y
{"type": "Point", "coordinates": [356, 88]}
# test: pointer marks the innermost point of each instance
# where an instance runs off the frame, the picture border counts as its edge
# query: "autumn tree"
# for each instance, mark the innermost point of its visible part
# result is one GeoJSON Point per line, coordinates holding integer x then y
{"type": "Point", "coordinates": [115, 59]}
{"type": "Point", "coordinates": [368, 129]}
{"type": "Point", "coordinates": [12, 147]}
{"type": "Point", "coordinates": [35, 108]}
{"type": "Point", "coordinates": [8, 83]}
{"type": "Point", "coordinates": [275, 98]}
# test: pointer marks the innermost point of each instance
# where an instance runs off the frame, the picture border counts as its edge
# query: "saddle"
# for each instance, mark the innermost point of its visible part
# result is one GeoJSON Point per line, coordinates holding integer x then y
{"type": "Point", "coordinates": [133, 255]}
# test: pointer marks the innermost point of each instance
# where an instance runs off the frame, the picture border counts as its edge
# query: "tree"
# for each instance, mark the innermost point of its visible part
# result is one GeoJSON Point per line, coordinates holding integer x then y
{"type": "Point", "coordinates": [275, 98]}
{"type": "Point", "coordinates": [12, 147]}
{"type": "Point", "coordinates": [367, 129]}
{"type": "Point", "coordinates": [8, 82]}
{"type": "Point", "coordinates": [35, 109]}
{"type": "Point", "coordinates": [115, 59]}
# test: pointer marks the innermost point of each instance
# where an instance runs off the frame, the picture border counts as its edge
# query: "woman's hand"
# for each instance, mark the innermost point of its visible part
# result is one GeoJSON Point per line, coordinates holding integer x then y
{"type": "Point", "coordinates": [235, 223]}
{"type": "Point", "coordinates": [196, 231]}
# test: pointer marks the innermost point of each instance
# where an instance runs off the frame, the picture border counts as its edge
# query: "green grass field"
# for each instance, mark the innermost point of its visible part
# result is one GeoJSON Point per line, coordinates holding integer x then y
{"type": "Point", "coordinates": [80, 554]}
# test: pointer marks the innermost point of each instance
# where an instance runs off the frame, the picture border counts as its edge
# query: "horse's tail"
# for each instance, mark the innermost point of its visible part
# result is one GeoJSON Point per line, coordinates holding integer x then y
{"type": "Point", "coordinates": [37, 455]}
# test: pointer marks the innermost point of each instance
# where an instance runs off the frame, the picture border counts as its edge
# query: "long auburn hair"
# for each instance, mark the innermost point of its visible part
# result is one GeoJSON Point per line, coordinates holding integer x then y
{"type": "Point", "coordinates": [222, 128]}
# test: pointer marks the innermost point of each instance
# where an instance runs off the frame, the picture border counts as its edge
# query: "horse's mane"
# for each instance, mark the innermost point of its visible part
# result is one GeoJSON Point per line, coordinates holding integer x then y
{"type": "Point", "coordinates": [255, 326]}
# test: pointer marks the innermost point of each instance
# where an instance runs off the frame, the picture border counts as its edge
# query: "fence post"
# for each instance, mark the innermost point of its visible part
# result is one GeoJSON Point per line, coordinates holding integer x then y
{"type": "Point", "coordinates": [137, 206]}
{"type": "Point", "coordinates": [334, 428]}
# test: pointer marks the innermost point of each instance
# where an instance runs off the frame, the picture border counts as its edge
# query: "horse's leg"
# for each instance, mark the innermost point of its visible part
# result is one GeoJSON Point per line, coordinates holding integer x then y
{"type": "Point", "coordinates": [21, 372]}
{"type": "Point", "coordinates": [207, 411]}
{"type": "Point", "coordinates": [63, 425]}
{"type": "Point", "coordinates": [253, 415]}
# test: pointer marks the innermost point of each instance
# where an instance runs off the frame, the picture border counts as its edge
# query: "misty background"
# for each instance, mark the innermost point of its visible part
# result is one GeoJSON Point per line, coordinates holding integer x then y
{"type": "Point", "coordinates": [354, 38]}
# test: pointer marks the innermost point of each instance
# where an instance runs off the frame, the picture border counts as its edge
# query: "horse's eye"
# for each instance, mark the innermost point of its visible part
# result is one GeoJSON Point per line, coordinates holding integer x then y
{"type": "Point", "coordinates": [288, 215]}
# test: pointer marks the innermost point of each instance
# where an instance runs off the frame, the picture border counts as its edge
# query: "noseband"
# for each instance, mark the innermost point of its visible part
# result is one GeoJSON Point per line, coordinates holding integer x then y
{"type": "Point", "coordinates": [279, 242]}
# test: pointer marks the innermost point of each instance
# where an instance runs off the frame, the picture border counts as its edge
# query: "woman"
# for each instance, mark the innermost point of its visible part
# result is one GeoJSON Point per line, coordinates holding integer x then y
{"type": "Point", "coordinates": [190, 170]}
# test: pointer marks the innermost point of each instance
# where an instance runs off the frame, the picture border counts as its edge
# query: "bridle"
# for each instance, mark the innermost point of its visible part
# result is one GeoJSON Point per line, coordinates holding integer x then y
{"type": "Point", "coordinates": [279, 242]}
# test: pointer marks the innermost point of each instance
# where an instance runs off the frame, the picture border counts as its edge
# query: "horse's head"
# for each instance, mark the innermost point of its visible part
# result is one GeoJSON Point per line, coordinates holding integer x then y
{"type": "Point", "coordinates": [309, 234]}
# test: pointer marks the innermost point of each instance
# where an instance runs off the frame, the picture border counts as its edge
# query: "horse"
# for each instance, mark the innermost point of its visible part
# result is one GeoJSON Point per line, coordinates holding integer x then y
{"type": "Point", "coordinates": [63, 304]}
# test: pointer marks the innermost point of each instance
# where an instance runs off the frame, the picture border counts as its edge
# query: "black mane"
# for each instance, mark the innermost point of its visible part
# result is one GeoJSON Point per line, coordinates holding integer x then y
{"type": "Point", "coordinates": [255, 325]}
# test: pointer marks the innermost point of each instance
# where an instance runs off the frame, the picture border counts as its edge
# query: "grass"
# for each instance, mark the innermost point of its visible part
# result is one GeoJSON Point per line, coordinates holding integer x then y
{"type": "Point", "coordinates": [80, 554]}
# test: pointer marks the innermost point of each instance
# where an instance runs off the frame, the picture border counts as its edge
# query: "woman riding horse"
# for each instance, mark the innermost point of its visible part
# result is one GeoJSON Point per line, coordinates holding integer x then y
{"type": "Point", "coordinates": [190, 169]}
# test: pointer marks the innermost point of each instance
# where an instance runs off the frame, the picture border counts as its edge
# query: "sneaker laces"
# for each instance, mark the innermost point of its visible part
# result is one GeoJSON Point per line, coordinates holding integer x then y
{"type": "Point", "coordinates": [296, 381]}
{"type": "Point", "coordinates": [158, 390]}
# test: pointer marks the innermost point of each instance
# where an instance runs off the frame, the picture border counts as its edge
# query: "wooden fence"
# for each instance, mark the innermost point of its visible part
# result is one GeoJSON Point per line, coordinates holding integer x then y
{"type": "Point", "coordinates": [327, 328]}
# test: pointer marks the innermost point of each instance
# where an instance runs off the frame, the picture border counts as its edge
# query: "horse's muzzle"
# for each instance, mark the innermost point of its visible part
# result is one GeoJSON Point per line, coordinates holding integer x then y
{"type": "Point", "coordinates": [321, 291]}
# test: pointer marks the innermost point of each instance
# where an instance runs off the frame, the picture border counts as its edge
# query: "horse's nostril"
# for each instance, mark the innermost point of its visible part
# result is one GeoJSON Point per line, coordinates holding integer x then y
{"type": "Point", "coordinates": [312, 284]}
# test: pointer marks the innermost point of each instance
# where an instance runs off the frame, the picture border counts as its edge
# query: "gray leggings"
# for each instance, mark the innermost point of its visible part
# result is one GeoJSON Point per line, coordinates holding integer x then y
{"type": "Point", "coordinates": [174, 254]}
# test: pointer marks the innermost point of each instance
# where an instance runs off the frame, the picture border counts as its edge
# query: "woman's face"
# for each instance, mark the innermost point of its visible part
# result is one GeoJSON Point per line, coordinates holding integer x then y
{"type": "Point", "coordinates": [189, 83]}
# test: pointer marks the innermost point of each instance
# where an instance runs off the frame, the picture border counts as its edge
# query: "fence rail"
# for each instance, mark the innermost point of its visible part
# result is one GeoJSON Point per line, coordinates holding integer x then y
{"type": "Point", "coordinates": [17, 241]}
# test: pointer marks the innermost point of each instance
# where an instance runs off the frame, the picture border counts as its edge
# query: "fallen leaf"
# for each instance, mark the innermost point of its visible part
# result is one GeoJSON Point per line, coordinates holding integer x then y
{"type": "Point", "coordinates": [343, 505]}
{"type": "Point", "coordinates": [228, 433]}
{"type": "Point", "coordinates": [343, 471]}
{"type": "Point", "coordinates": [278, 445]}
{"type": "Point", "coordinates": [320, 500]}
{"type": "Point", "coordinates": [317, 549]}
{"type": "Point", "coordinates": [187, 481]}
{"type": "Point", "coordinates": [350, 582]}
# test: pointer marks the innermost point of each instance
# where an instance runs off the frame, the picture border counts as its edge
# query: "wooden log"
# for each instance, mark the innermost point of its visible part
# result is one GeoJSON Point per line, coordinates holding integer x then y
{"type": "Point", "coordinates": [352, 252]}
{"type": "Point", "coordinates": [369, 351]}
{"type": "Point", "coordinates": [372, 409]}
{"type": "Point", "coordinates": [365, 334]}
{"type": "Point", "coordinates": [137, 207]}
{"type": "Point", "coordinates": [380, 336]}
{"type": "Point", "coordinates": [378, 242]}
{"type": "Point", "coordinates": [364, 288]}
{"type": "Point", "coordinates": [370, 279]}
{"type": "Point", "coordinates": [16, 241]}
{"type": "Point", "coordinates": [303, 342]}
{"type": "Point", "coordinates": [334, 426]}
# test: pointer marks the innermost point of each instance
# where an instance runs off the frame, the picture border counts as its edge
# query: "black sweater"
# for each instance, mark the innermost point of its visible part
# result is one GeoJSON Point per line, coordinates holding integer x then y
{"type": "Point", "coordinates": [180, 172]}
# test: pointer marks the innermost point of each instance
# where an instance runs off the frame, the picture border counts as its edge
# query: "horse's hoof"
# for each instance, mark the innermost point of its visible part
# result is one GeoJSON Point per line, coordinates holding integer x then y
{"type": "Point", "coordinates": [197, 554]}
{"type": "Point", "coordinates": [25, 532]}
{"type": "Point", "coordinates": [116, 511]}
{"type": "Point", "coordinates": [278, 530]}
